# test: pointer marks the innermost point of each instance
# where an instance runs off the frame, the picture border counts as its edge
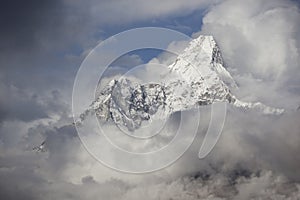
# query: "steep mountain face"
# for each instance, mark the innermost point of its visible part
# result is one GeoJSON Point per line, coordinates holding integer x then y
{"type": "Point", "coordinates": [202, 60]}
{"type": "Point", "coordinates": [201, 80]}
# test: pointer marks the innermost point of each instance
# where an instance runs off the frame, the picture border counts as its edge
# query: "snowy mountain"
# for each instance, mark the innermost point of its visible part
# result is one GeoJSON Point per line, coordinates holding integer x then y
{"type": "Point", "coordinates": [201, 80]}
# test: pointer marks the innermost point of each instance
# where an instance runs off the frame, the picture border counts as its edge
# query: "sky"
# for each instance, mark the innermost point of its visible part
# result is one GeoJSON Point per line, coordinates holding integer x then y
{"type": "Point", "coordinates": [43, 44]}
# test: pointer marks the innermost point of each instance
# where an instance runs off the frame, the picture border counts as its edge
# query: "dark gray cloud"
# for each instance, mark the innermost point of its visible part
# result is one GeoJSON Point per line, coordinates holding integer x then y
{"type": "Point", "coordinates": [33, 26]}
{"type": "Point", "coordinates": [34, 37]}
{"type": "Point", "coordinates": [22, 21]}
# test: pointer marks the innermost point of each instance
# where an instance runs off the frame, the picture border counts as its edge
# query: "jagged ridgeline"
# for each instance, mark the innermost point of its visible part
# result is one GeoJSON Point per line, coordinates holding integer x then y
{"type": "Point", "coordinates": [201, 80]}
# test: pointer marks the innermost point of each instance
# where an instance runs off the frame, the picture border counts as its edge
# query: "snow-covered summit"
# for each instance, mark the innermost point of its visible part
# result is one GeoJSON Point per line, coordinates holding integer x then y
{"type": "Point", "coordinates": [202, 59]}
{"type": "Point", "coordinates": [201, 80]}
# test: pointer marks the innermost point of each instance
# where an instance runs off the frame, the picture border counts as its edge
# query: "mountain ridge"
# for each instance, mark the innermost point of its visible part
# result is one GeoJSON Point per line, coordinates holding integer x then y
{"type": "Point", "coordinates": [202, 79]}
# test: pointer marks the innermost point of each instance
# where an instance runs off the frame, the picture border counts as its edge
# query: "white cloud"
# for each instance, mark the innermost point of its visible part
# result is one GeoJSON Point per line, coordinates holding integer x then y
{"type": "Point", "coordinates": [258, 36]}
{"type": "Point", "coordinates": [124, 11]}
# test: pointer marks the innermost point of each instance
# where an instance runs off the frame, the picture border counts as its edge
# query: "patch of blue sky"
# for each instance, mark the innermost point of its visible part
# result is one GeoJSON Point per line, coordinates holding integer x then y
{"type": "Point", "coordinates": [187, 24]}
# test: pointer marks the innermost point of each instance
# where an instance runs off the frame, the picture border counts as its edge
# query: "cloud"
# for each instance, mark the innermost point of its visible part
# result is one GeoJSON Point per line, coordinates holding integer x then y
{"type": "Point", "coordinates": [256, 157]}
{"type": "Point", "coordinates": [260, 37]}
{"type": "Point", "coordinates": [128, 11]}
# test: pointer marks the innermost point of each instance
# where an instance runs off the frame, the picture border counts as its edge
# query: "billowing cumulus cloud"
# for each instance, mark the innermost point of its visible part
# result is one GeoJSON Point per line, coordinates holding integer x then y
{"type": "Point", "coordinates": [259, 37]}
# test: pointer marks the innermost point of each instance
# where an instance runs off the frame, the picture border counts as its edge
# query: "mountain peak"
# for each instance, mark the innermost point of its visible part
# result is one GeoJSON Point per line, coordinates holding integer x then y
{"type": "Point", "coordinates": [202, 58]}
{"type": "Point", "coordinates": [201, 80]}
